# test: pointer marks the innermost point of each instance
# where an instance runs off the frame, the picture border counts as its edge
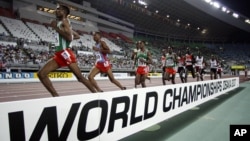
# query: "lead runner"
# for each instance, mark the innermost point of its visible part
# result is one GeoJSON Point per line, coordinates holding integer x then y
{"type": "Point", "coordinates": [64, 56]}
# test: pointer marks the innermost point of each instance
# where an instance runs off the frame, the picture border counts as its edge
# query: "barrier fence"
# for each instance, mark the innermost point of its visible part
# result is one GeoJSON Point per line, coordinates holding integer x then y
{"type": "Point", "coordinates": [104, 116]}
{"type": "Point", "coordinates": [25, 77]}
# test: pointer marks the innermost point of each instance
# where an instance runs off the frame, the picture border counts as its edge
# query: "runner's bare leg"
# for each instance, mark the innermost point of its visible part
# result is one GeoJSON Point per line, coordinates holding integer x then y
{"type": "Point", "coordinates": [50, 66]}
{"type": "Point", "coordinates": [77, 72]}
{"type": "Point", "coordinates": [113, 80]}
{"type": "Point", "coordinates": [94, 71]}
{"type": "Point", "coordinates": [143, 78]}
{"type": "Point", "coordinates": [137, 79]}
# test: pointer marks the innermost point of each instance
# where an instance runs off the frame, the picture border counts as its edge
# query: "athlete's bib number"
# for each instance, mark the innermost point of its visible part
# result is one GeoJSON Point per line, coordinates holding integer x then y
{"type": "Point", "coordinates": [169, 63]}
{"type": "Point", "coordinates": [213, 65]}
{"type": "Point", "coordinates": [65, 54]}
{"type": "Point", "coordinates": [180, 64]}
{"type": "Point", "coordinates": [188, 61]}
{"type": "Point", "coordinates": [199, 62]}
{"type": "Point", "coordinates": [141, 63]}
{"type": "Point", "coordinates": [98, 57]}
{"type": "Point", "coordinates": [106, 64]}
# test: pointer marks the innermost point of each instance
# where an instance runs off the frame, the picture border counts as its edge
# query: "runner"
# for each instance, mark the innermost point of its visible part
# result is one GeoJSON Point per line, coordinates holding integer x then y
{"type": "Point", "coordinates": [204, 65]}
{"type": "Point", "coordinates": [181, 67]}
{"type": "Point", "coordinates": [143, 58]}
{"type": "Point", "coordinates": [163, 65]}
{"type": "Point", "coordinates": [171, 60]}
{"type": "Point", "coordinates": [198, 66]}
{"type": "Point", "coordinates": [219, 70]}
{"type": "Point", "coordinates": [189, 61]}
{"type": "Point", "coordinates": [213, 68]}
{"type": "Point", "coordinates": [147, 75]}
{"type": "Point", "coordinates": [133, 57]}
{"type": "Point", "coordinates": [64, 56]}
{"type": "Point", "coordinates": [102, 64]}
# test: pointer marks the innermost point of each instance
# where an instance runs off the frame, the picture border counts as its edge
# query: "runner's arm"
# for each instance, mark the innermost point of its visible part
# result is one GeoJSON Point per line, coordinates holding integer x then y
{"type": "Point", "coordinates": [66, 32]}
{"type": "Point", "coordinates": [149, 60]}
{"type": "Point", "coordinates": [104, 48]}
{"type": "Point", "coordinates": [75, 35]}
{"type": "Point", "coordinates": [133, 55]}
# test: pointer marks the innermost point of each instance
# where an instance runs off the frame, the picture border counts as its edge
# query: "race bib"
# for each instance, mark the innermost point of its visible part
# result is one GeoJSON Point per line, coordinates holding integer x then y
{"type": "Point", "coordinates": [169, 63]}
{"type": "Point", "coordinates": [98, 57]}
{"type": "Point", "coordinates": [188, 60]}
{"type": "Point", "coordinates": [65, 54]}
{"type": "Point", "coordinates": [180, 64]}
{"type": "Point", "coordinates": [213, 65]}
{"type": "Point", "coordinates": [140, 63]}
{"type": "Point", "coordinates": [146, 70]}
{"type": "Point", "coordinates": [106, 64]}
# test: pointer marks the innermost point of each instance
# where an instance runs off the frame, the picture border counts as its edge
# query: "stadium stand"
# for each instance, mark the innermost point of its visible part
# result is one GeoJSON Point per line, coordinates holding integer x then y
{"type": "Point", "coordinates": [37, 41]}
{"type": "Point", "coordinates": [18, 29]}
{"type": "Point", "coordinates": [42, 32]}
{"type": "Point", "coordinates": [3, 31]}
{"type": "Point", "coordinates": [33, 54]}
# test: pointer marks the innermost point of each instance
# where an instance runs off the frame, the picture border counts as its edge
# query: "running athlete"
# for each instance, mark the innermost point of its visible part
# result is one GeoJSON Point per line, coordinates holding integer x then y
{"type": "Point", "coordinates": [133, 57]}
{"type": "Point", "coordinates": [213, 68]}
{"type": "Point", "coordinates": [171, 59]}
{"type": "Point", "coordinates": [246, 72]}
{"type": "Point", "coordinates": [163, 63]}
{"type": "Point", "coordinates": [181, 67]}
{"type": "Point", "coordinates": [102, 64]}
{"type": "Point", "coordinates": [198, 66]}
{"type": "Point", "coordinates": [219, 69]}
{"type": "Point", "coordinates": [189, 61]}
{"type": "Point", "coordinates": [204, 65]}
{"type": "Point", "coordinates": [143, 58]}
{"type": "Point", "coordinates": [147, 75]}
{"type": "Point", "coordinates": [64, 56]}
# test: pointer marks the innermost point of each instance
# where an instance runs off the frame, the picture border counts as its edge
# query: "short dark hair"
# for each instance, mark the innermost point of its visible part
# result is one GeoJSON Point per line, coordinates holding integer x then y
{"type": "Point", "coordinates": [66, 9]}
{"type": "Point", "coordinates": [143, 42]}
{"type": "Point", "coordinates": [99, 33]}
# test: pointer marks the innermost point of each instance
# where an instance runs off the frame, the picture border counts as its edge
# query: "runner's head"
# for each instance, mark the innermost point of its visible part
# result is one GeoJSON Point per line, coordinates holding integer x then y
{"type": "Point", "coordinates": [142, 44]}
{"type": "Point", "coordinates": [170, 49]}
{"type": "Point", "coordinates": [62, 11]}
{"type": "Point", "coordinates": [138, 44]}
{"type": "Point", "coordinates": [97, 36]}
{"type": "Point", "coordinates": [212, 57]}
